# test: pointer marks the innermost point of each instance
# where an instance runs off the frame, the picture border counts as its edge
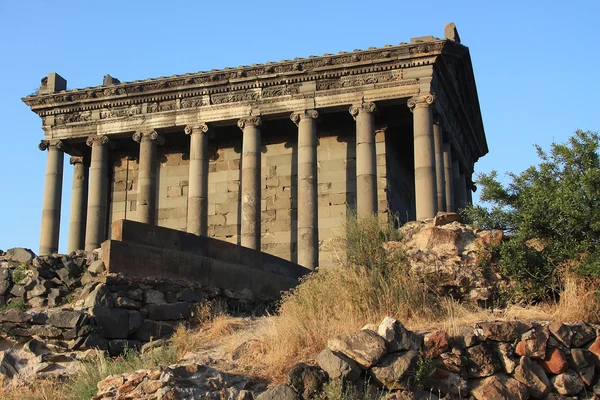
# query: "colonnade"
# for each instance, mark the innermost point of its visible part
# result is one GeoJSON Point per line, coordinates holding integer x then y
{"type": "Point", "coordinates": [439, 183]}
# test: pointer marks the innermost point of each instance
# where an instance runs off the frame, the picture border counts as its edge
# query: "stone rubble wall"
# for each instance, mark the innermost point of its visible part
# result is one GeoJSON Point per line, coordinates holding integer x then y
{"type": "Point", "coordinates": [66, 303]}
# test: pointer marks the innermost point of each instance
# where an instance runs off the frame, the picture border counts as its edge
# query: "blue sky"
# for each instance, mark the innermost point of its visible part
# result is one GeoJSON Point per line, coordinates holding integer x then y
{"type": "Point", "coordinates": [535, 61]}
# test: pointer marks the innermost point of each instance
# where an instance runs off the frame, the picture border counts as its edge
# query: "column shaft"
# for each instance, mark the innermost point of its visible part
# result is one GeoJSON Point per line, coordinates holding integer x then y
{"type": "Point", "coordinates": [146, 184]}
{"type": "Point", "coordinates": [52, 198]}
{"type": "Point", "coordinates": [465, 191]}
{"type": "Point", "coordinates": [197, 215]}
{"type": "Point", "coordinates": [308, 242]}
{"type": "Point", "coordinates": [439, 167]}
{"type": "Point", "coordinates": [251, 193]}
{"type": "Point", "coordinates": [78, 205]}
{"type": "Point", "coordinates": [97, 217]}
{"type": "Point", "coordinates": [448, 187]}
{"type": "Point", "coordinates": [366, 163]}
{"type": "Point", "coordinates": [457, 185]}
{"type": "Point", "coordinates": [424, 151]}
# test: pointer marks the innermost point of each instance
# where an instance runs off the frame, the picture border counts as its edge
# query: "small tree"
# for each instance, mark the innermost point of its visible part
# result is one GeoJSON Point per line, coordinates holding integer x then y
{"type": "Point", "coordinates": [550, 212]}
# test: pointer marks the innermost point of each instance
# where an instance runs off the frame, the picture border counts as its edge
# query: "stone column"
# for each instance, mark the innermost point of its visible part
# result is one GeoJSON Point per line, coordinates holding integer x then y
{"type": "Point", "coordinates": [457, 185]}
{"type": "Point", "coordinates": [366, 163]}
{"type": "Point", "coordinates": [251, 194]}
{"type": "Point", "coordinates": [308, 242]}
{"type": "Point", "coordinates": [448, 187]}
{"type": "Point", "coordinates": [95, 232]}
{"type": "Point", "coordinates": [52, 196]}
{"type": "Point", "coordinates": [78, 205]}
{"type": "Point", "coordinates": [465, 191]}
{"type": "Point", "coordinates": [197, 214]}
{"type": "Point", "coordinates": [425, 181]}
{"type": "Point", "coordinates": [439, 166]}
{"type": "Point", "coordinates": [146, 184]}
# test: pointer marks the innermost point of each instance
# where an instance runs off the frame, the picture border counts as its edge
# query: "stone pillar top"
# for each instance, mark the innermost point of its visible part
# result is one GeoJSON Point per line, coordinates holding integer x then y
{"type": "Point", "coordinates": [249, 121]}
{"type": "Point", "coordinates": [76, 160]}
{"type": "Point", "coordinates": [201, 127]}
{"type": "Point", "coordinates": [365, 107]}
{"type": "Point", "coordinates": [45, 144]}
{"type": "Point", "coordinates": [297, 116]}
{"type": "Point", "coordinates": [423, 100]}
{"type": "Point", "coordinates": [152, 135]}
{"type": "Point", "coordinates": [97, 140]}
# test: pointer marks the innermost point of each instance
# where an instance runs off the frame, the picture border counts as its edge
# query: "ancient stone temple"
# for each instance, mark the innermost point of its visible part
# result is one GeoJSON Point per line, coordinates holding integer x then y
{"type": "Point", "coordinates": [269, 156]}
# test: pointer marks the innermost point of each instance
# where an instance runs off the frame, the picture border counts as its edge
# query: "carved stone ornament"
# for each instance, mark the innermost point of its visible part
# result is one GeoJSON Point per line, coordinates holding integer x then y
{"type": "Point", "coordinates": [424, 100]}
{"type": "Point", "coordinates": [367, 107]}
{"type": "Point", "coordinates": [249, 121]}
{"type": "Point", "coordinates": [201, 128]}
{"type": "Point", "coordinates": [45, 144]}
{"type": "Point", "coordinates": [152, 135]}
{"type": "Point", "coordinates": [76, 160]}
{"type": "Point", "coordinates": [97, 140]}
{"type": "Point", "coordinates": [296, 117]}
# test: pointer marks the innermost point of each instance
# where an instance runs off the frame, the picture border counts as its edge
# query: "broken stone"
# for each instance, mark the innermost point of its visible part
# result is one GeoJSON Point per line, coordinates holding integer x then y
{"type": "Point", "coordinates": [54, 297]}
{"type": "Point", "coordinates": [482, 360]}
{"type": "Point", "coordinates": [97, 267]}
{"type": "Point", "coordinates": [125, 302]}
{"type": "Point", "coordinates": [568, 383]}
{"type": "Point", "coordinates": [166, 312]}
{"type": "Point", "coordinates": [364, 347]}
{"type": "Point", "coordinates": [153, 297]}
{"type": "Point", "coordinates": [397, 337]}
{"type": "Point", "coordinates": [338, 366]}
{"type": "Point", "coordinates": [135, 321]}
{"type": "Point", "coordinates": [306, 380]}
{"type": "Point", "coordinates": [8, 364]}
{"type": "Point", "coordinates": [555, 361]}
{"type": "Point", "coordinates": [442, 381]}
{"type": "Point", "coordinates": [395, 370]}
{"type": "Point", "coordinates": [443, 218]}
{"type": "Point", "coordinates": [99, 297]}
{"type": "Point", "coordinates": [64, 318]}
{"type": "Point", "coordinates": [94, 341]}
{"type": "Point", "coordinates": [19, 255]}
{"type": "Point", "coordinates": [500, 331]}
{"type": "Point", "coordinates": [465, 337]}
{"type": "Point", "coordinates": [15, 315]}
{"type": "Point", "coordinates": [279, 392]}
{"type": "Point", "coordinates": [561, 332]}
{"type": "Point", "coordinates": [499, 387]}
{"type": "Point", "coordinates": [533, 343]}
{"type": "Point", "coordinates": [583, 363]}
{"type": "Point", "coordinates": [582, 334]}
{"type": "Point", "coordinates": [435, 343]}
{"type": "Point", "coordinates": [18, 291]}
{"type": "Point", "coordinates": [532, 375]}
{"type": "Point", "coordinates": [36, 347]}
{"type": "Point", "coordinates": [113, 322]}
{"type": "Point", "coordinates": [152, 330]}
{"type": "Point", "coordinates": [506, 355]}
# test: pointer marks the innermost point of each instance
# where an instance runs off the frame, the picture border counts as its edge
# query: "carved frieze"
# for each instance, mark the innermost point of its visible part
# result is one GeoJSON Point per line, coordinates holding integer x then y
{"type": "Point", "coordinates": [426, 48]}
{"type": "Point", "coordinates": [193, 102]}
{"type": "Point", "coordinates": [132, 110]}
{"type": "Point", "coordinates": [233, 97]}
{"type": "Point", "coordinates": [83, 116]}
{"type": "Point", "coordinates": [280, 90]}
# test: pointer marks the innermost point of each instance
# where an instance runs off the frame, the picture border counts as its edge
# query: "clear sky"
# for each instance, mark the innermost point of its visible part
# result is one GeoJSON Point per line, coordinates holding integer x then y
{"type": "Point", "coordinates": [536, 65]}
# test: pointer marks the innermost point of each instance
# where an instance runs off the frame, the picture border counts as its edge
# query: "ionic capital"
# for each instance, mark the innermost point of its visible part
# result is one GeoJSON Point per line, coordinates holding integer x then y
{"type": "Point", "coordinates": [366, 107]}
{"type": "Point", "coordinates": [45, 144]}
{"type": "Point", "coordinates": [200, 128]}
{"type": "Point", "coordinates": [249, 121]}
{"type": "Point", "coordinates": [424, 100]}
{"type": "Point", "coordinates": [97, 140]}
{"type": "Point", "coordinates": [76, 160]}
{"type": "Point", "coordinates": [296, 117]}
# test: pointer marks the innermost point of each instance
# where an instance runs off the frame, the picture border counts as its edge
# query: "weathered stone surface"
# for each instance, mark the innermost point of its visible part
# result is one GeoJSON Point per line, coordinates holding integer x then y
{"type": "Point", "coordinates": [126, 302]}
{"type": "Point", "coordinates": [465, 337]}
{"type": "Point", "coordinates": [191, 296]}
{"type": "Point", "coordinates": [532, 375]}
{"type": "Point", "coordinates": [506, 355]}
{"type": "Point", "coordinates": [364, 347]}
{"type": "Point", "coordinates": [4, 286]}
{"type": "Point", "coordinates": [15, 315]}
{"type": "Point", "coordinates": [119, 346]}
{"type": "Point", "coordinates": [18, 291]}
{"type": "Point", "coordinates": [442, 381]}
{"type": "Point", "coordinates": [583, 362]}
{"type": "Point", "coordinates": [64, 318]}
{"type": "Point", "coordinates": [135, 321]}
{"type": "Point", "coordinates": [306, 380]}
{"type": "Point", "coordinates": [8, 364]}
{"type": "Point", "coordinates": [19, 255]}
{"type": "Point", "coordinates": [97, 267]}
{"type": "Point", "coordinates": [482, 360]}
{"type": "Point", "coordinates": [582, 334]}
{"type": "Point", "coordinates": [443, 218]}
{"type": "Point", "coordinates": [500, 331]}
{"type": "Point", "coordinates": [555, 361]}
{"type": "Point", "coordinates": [279, 392]}
{"type": "Point", "coordinates": [99, 297]}
{"type": "Point", "coordinates": [94, 341]}
{"type": "Point", "coordinates": [533, 343]}
{"type": "Point", "coordinates": [151, 330]}
{"type": "Point", "coordinates": [113, 322]}
{"type": "Point", "coordinates": [568, 383]}
{"type": "Point", "coordinates": [395, 370]}
{"type": "Point", "coordinates": [453, 361]}
{"type": "Point", "coordinates": [435, 343]}
{"type": "Point", "coordinates": [338, 366]}
{"type": "Point", "coordinates": [561, 332]}
{"type": "Point", "coordinates": [167, 312]}
{"type": "Point", "coordinates": [153, 297]}
{"type": "Point", "coordinates": [595, 350]}
{"type": "Point", "coordinates": [499, 387]}
{"type": "Point", "coordinates": [397, 337]}
{"type": "Point", "coordinates": [36, 347]}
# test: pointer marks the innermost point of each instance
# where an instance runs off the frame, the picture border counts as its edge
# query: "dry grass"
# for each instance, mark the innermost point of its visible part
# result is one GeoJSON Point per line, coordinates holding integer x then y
{"type": "Point", "coordinates": [579, 300]}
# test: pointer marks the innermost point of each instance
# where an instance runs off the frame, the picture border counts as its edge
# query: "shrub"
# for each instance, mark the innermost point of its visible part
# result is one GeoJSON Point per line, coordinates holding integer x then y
{"type": "Point", "coordinates": [19, 273]}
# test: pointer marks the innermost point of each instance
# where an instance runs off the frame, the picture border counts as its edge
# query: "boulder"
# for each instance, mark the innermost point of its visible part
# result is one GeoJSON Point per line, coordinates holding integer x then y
{"type": "Point", "coordinates": [498, 387]}
{"type": "Point", "coordinates": [583, 362]}
{"type": "Point", "coordinates": [555, 361]}
{"type": "Point", "coordinates": [8, 364]}
{"type": "Point", "coordinates": [279, 392]}
{"type": "Point", "coordinates": [19, 255]}
{"type": "Point", "coordinates": [532, 375]}
{"type": "Point", "coordinates": [395, 370]}
{"type": "Point", "coordinates": [435, 343]}
{"type": "Point", "coordinates": [506, 355]}
{"type": "Point", "coordinates": [562, 332]}
{"type": "Point", "coordinates": [113, 322]}
{"type": "Point", "coordinates": [15, 315]}
{"type": "Point", "coordinates": [152, 330]}
{"type": "Point", "coordinates": [153, 297]}
{"type": "Point", "coordinates": [364, 347]}
{"type": "Point", "coordinates": [500, 331]}
{"type": "Point", "coordinates": [568, 383]}
{"type": "Point", "coordinates": [397, 337]}
{"type": "Point", "coordinates": [533, 343]}
{"type": "Point", "coordinates": [482, 360]}
{"type": "Point", "coordinates": [582, 334]}
{"type": "Point", "coordinates": [338, 366]}
{"type": "Point", "coordinates": [166, 312]}
{"type": "Point", "coordinates": [64, 318]}
{"type": "Point", "coordinates": [443, 218]}
{"type": "Point", "coordinates": [306, 380]}
{"type": "Point", "coordinates": [97, 267]}
{"type": "Point", "coordinates": [448, 383]}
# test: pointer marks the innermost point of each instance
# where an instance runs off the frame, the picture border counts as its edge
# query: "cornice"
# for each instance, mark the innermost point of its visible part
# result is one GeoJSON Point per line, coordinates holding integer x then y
{"type": "Point", "coordinates": [229, 85]}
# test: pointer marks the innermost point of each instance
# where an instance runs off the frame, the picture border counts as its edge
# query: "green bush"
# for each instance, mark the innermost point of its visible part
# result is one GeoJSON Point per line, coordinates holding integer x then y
{"type": "Point", "coordinates": [19, 273]}
{"type": "Point", "coordinates": [551, 214]}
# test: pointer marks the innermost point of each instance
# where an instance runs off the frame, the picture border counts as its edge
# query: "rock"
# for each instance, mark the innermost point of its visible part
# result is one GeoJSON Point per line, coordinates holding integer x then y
{"type": "Point", "coordinates": [397, 337]}
{"type": "Point", "coordinates": [97, 267]}
{"type": "Point", "coordinates": [498, 387]}
{"type": "Point", "coordinates": [119, 346]}
{"type": "Point", "coordinates": [446, 383]}
{"type": "Point", "coordinates": [65, 277]}
{"type": "Point", "coordinates": [36, 347]}
{"type": "Point", "coordinates": [395, 370]}
{"type": "Point", "coordinates": [532, 375]}
{"type": "Point", "coordinates": [8, 364]}
{"type": "Point", "coordinates": [18, 291]}
{"type": "Point", "coordinates": [54, 358]}
{"type": "Point", "coordinates": [306, 380]}
{"type": "Point", "coordinates": [166, 312]}
{"type": "Point", "coordinates": [568, 383]}
{"type": "Point", "coordinates": [595, 350]}
{"type": "Point", "coordinates": [113, 322]}
{"type": "Point", "coordinates": [111, 382]}
{"type": "Point", "coordinates": [506, 355]}
{"type": "Point", "coordinates": [155, 344]}
{"type": "Point", "coordinates": [191, 296]}
{"type": "Point", "coordinates": [443, 218]}
{"type": "Point", "coordinates": [19, 255]}
{"type": "Point", "coordinates": [370, 327]}
{"type": "Point", "coordinates": [4, 286]}
{"type": "Point", "coordinates": [364, 347]}
{"type": "Point", "coordinates": [126, 302]}
{"type": "Point", "coordinates": [500, 331]}
{"type": "Point", "coordinates": [561, 332]}
{"type": "Point", "coordinates": [465, 337]}
{"type": "Point", "coordinates": [453, 362]}
{"type": "Point", "coordinates": [135, 321]}
{"type": "Point", "coordinates": [44, 367]}
{"type": "Point", "coordinates": [94, 341]}
{"type": "Point", "coordinates": [338, 366]}
{"type": "Point", "coordinates": [279, 392]}
{"type": "Point", "coordinates": [152, 330]}
{"type": "Point", "coordinates": [490, 239]}
{"type": "Point", "coordinates": [482, 360]}
{"type": "Point", "coordinates": [583, 362]}
{"type": "Point", "coordinates": [533, 343]}
{"type": "Point", "coordinates": [65, 318]}
{"type": "Point", "coordinates": [15, 315]}
{"type": "Point", "coordinates": [99, 297]}
{"type": "Point", "coordinates": [555, 361]}
{"type": "Point", "coordinates": [153, 297]}
{"type": "Point", "coordinates": [435, 343]}
{"type": "Point", "coordinates": [54, 297]}
{"type": "Point", "coordinates": [582, 334]}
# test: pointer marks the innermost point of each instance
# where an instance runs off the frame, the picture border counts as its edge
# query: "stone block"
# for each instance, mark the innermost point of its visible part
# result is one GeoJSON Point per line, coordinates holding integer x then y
{"type": "Point", "coordinates": [166, 312]}
{"type": "Point", "coordinates": [113, 322]}
{"type": "Point", "coordinates": [152, 330]}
